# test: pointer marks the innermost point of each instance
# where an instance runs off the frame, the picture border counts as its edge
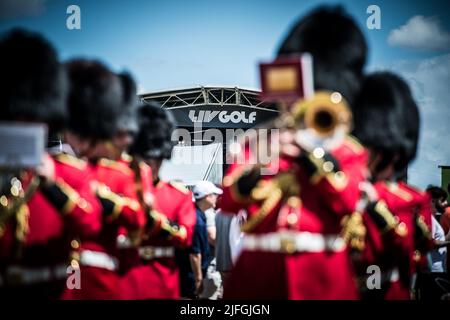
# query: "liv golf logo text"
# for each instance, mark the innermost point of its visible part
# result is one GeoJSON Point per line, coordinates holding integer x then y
{"type": "Point", "coordinates": [222, 116]}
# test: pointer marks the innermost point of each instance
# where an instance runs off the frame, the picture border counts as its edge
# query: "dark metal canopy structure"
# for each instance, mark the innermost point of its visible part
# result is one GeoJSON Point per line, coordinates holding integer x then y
{"type": "Point", "coordinates": [214, 107]}
{"type": "Point", "coordinates": [200, 110]}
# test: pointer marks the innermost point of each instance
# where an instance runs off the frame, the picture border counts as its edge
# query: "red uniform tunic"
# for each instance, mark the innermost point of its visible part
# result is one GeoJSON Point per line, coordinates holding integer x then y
{"type": "Point", "coordinates": [172, 222]}
{"type": "Point", "coordinates": [100, 269]}
{"type": "Point", "coordinates": [422, 213]}
{"type": "Point", "coordinates": [385, 246]}
{"type": "Point", "coordinates": [326, 197]}
{"type": "Point", "coordinates": [141, 187]}
{"type": "Point", "coordinates": [393, 249]}
{"type": "Point", "coordinates": [35, 245]}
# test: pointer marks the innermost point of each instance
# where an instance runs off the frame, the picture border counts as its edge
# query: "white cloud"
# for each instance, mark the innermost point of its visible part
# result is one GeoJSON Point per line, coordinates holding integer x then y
{"type": "Point", "coordinates": [420, 33]}
{"type": "Point", "coordinates": [429, 81]}
{"type": "Point", "coordinates": [10, 9]}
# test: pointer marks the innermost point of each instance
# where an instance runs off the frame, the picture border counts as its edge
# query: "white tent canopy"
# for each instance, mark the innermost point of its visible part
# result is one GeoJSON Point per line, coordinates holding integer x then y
{"type": "Point", "coordinates": [190, 164]}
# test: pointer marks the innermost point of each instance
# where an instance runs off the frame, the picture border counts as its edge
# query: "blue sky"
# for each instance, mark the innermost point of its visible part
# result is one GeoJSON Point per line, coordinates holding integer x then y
{"type": "Point", "coordinates": [171, 44]}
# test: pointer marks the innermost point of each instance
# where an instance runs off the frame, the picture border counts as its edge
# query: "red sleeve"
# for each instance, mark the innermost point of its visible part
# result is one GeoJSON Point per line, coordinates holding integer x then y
{"type": "Point", "coordinates": [187, 219]}
{"type": "Point", "coordinates": [132, 215]}
{"type": "Point", "coordinates": [232, 201]}
{"type": "Point", "coordinates": [121, 209]}
{"type": "Point", "coordinates": [340, 192]}
{"type": "Point", "coordinates": [85, 218]}
{"type": "Point", "coordinates": [336, 178]}
{"type": "Point", "coordinates": [179, 231]}
{"type": "Point", "coordinates": [72, 195]}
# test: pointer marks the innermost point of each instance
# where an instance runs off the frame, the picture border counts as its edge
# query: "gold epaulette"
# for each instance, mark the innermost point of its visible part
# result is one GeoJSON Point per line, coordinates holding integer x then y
{"type": "Point", "coordinates": [179, 186]}
{"type": "Point", "coordinates": [71, 161]}
{"type": "Point", "coordinates": [415, 189]}
{"type": "Point", "coordinates": [399, 192]}
{"type": "Point", "coordinates": [115, 165]}
{"type": "Point", "coordinates": [145, 167]}
{"type": "Point", "coordinates": [104, 192]}
{"type": "Point", "coordinates": [354, 144]}
{"type": "Point", "coordinates": [126, 157]}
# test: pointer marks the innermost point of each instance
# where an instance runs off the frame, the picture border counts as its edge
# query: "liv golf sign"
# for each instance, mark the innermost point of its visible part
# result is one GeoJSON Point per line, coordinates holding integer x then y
{"type": "Point", "coordinates": [222, 116]}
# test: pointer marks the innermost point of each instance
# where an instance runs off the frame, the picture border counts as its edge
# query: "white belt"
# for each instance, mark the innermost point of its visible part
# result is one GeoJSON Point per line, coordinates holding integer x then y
{"type": "Point", "coordinates": [18, 275]}
{"type": "Point", "coordinates": [99, 260]}
{"type": "Point", "coordinates": [290, 242]}
{"type": "Point", "coordinates": [123, 242]}
{"type": "Point", "coordinates": [152, 252]}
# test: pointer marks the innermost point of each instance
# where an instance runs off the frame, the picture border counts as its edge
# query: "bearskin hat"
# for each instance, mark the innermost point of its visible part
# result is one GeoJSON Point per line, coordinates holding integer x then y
{"type": "Point", "coordinates": [436, 193]}
{"type": "Point", "coordinates": [128, 118]}
{"type": "Point", "coordinates": [33, 82]}
{"type": "Point", "coordinates": [156, 126]}
{"type": "Point", "coordinates": [95, 99]}
{"type": "Point", "coordinates": [337, 45]}
{"type": "Point", "coordinates": [386, 118]}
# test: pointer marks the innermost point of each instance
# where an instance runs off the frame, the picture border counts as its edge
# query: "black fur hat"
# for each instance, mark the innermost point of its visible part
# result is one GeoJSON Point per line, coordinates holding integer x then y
{"type": "Point", "coordinates": [386, 118]}
{"type": "Point", "coordinates": [436, 193]}
{"type": "Point", "coordinates": [156, 126]}
{"type": "Point", "coordinates": [95, 99]}
{"type": "Point", "coordinates": [337, 45]}
{"type": "Point", "coordinates": [128, 118]}
{"type": "Point", "coordinates": [32, 80]}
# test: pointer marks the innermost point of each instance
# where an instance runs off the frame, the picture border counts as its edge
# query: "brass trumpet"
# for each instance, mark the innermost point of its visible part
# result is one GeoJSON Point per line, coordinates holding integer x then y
{"type": "Point", "coordinates": [321, 121]}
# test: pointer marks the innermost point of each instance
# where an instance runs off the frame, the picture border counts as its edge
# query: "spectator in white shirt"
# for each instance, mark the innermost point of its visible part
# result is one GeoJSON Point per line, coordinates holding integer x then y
{"type": "Point", "coordinates": [438, 256]}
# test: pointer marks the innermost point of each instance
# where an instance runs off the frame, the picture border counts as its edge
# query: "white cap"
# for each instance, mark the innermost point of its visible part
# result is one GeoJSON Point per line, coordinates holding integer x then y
{"type": "Point", "coordinates": [204, 188]}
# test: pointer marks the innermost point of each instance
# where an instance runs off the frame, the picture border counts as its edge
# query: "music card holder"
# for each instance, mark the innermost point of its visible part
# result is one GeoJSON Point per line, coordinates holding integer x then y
{"type": "Point", "coordinates": [287, 79]}
{"type": "Point", "coordinates": [22, 145]}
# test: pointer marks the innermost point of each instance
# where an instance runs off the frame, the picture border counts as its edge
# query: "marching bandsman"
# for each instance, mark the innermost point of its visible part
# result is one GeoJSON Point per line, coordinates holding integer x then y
{"type": "Point", "coordinates": [398, 217]}
{"type": "Point", "coordinates": [46, 208]}
{"type": "Point", "coordinates": [171, 216]}
{"type": "Point", "coordinates": [127, 128]}
{"type": "Point", "coordinates": [127, 125]}
{"type": "Point", "coordinates": [95, 103]}
{"type": "Point", "coordinates": [295, 223]}
{"type": "Point", "coordinates": [294, 228]}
